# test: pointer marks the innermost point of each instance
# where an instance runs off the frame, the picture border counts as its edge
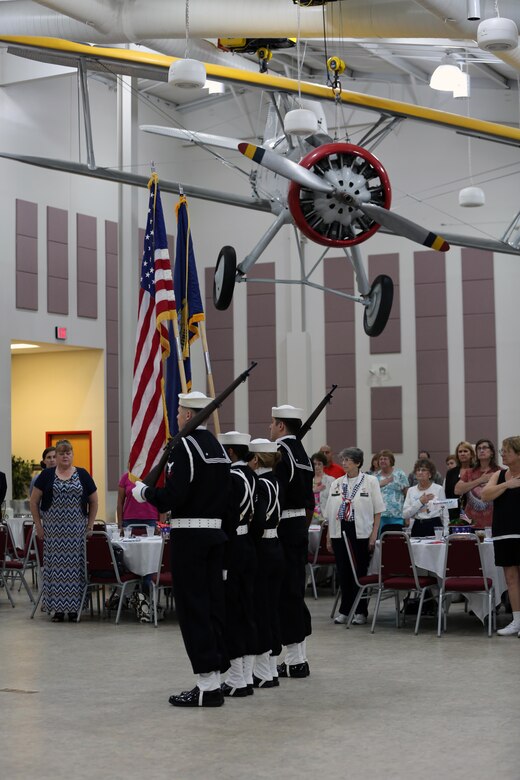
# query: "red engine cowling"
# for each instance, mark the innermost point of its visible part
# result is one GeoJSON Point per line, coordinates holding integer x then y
{"type": "Point", "coordinates": [326, 218]}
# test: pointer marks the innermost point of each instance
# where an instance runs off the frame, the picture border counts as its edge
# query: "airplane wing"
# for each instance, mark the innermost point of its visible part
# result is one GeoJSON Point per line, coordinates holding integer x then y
{"type": "Point", "coordinates": [204, 139]}
{"type": "Point", "coordinates": [155, 66]}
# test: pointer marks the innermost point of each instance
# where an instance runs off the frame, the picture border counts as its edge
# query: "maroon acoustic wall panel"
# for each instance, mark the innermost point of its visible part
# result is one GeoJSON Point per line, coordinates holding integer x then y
{"type": "Point", "coordinates": [219, 328]}
{"type": "Point", "coordinates": [26, 255]}
{"type": "Point", "coordinates": [57, 261]}
{"type": "Point", "coordinates": [480, 369]}
{"type": "Point", "coordinates": [340, 353]}
{"type": "Point", "coordinates": [86, 259]}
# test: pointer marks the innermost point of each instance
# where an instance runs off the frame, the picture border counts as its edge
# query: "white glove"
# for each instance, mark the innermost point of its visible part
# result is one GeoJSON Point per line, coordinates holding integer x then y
{"type": "Point", "coordinates": [138, 491]}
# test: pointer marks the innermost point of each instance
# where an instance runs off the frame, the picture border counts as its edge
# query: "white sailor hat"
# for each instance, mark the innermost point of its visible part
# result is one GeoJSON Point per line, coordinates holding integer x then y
{"type": "Point", "coordinates": [287, 412]}
{"type": "Point", "coordinates": [262, 445]}
{"type": "Point", "coordinates": [234, 437]}
{"type": "Point", "coordinates": [194, 400]}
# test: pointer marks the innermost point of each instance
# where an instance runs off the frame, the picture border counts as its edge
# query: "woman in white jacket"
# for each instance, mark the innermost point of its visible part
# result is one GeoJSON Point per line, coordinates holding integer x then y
{"type": "Point", "coordinates": [354, 506]}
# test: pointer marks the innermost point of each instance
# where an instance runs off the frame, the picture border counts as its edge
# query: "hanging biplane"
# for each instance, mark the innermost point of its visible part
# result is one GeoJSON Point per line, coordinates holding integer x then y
{"type": "Point", "coordinates": [338, 194]}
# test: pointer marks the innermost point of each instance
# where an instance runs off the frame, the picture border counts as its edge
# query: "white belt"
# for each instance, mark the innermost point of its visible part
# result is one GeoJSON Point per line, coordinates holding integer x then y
{"type": "Point", "coordinates": [293, 513]}
{"type": "Point", "coordinates": [270, 533]}
{"type": "Point", "coordinates": [196, 522]}
{"type": "Point", "coordinates": [241, 530]}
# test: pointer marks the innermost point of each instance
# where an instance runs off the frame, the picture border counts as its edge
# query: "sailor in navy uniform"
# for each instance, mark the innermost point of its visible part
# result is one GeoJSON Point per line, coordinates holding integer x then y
{"type": "Point", "coordinates": [295, 474]}
{"type": "Point", "coordinates": [240, 565]}
{"type": "Point", "coordinates": [271, 564]}
{"type": "Point", "coordinates": [196, 493]}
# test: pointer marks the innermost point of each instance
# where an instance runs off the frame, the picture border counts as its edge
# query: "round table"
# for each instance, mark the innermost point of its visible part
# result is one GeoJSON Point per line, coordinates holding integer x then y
{"type": "Point", "coordinates": [142, 554]}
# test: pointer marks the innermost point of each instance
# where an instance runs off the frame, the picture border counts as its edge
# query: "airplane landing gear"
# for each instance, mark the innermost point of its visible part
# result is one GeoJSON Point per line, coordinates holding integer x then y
{"type": "Point", "coordinates": [379, 307]}
{"type": "Point", "coordinates": [224, 278]}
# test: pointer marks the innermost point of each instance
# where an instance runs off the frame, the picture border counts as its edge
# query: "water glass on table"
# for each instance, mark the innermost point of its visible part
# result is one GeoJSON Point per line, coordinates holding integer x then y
{"type": "Point", "coordinates": [150, 530]}
{"type": "Point", "coordinates": [439, 533]}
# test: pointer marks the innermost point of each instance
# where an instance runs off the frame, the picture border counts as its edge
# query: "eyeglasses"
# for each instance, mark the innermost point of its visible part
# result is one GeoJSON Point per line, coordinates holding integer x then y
{"type": "Point", "coordinates": [483, 447]}
{"type": "Point", "coordinates": [505, 452]}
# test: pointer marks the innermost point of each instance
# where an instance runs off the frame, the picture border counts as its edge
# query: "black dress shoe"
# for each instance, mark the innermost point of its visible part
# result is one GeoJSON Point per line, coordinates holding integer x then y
{"type": "Point", "coordinates": [258, 683]}
{"type": "Point", "coordinates": [198, 698]}
{"type": "Point", "coordinates": [237, 693]}
{"type": "Point", "coordinates": [250, 689]}
{"type": "Point", "coordinates": [293, 670]}
{"type": "Point", "coordinates": [276, 682]}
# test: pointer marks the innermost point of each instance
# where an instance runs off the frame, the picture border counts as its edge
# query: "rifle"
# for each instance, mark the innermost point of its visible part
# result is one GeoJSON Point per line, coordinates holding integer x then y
{"type": "Point", "coordinates": [201, 416]}
{"type": "Point", "coordinates": [307, 425]}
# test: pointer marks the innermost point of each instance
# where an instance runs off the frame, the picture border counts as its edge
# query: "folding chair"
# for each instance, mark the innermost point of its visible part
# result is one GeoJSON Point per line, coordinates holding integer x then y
{"type": "Point", "coordinates": [464, 573]}
{"type": "Point", "coordinates": [367, 584]}
{"type": "Point", "coordinates": [13, 566]}
{"type": "Point", "coordinates": [38, 551]}
{"type": "Point", "coordinates": [320, 557]}
{"type": "Point", "coordinates": [101, 569]}
{"type": "Point", "coordinates": [4, 534]}
{"type": "Point", "coordinates": [28, 554]}
{"type": "Point", "coordinates": [397, 572]}
{"type": "Point", "coordinates": [162, 580]}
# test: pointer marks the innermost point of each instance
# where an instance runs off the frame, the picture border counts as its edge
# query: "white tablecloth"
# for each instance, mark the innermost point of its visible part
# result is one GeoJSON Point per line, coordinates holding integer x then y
{"type": "Point", "coordinates": [430, 557]}
{"type": "Point", "coordinates": [16, 527]}
{"type": "Point", "coordinates": [143, 554]}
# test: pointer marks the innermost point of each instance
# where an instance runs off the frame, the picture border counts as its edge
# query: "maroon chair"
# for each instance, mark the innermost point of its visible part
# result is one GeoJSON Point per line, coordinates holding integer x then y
{"type": "Point", "coordinates": [319, 557]}
{"type": "Point", "coordinates": [162, 580]}
{"type": "Point", "coordinates": [367, 584]}
{"type": "Point", "coordinates": [397, 572]}
{"type": "Point", "coordinates": [464, 573]}
{"type": "Point", "coordinates": [102, 570]}
{"type": "Point", "coordinates": [4, 535]}
{"type": "Point", "coordinates": [13, 566]}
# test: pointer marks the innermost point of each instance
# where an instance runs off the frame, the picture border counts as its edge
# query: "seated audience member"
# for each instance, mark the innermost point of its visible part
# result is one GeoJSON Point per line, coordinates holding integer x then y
{"type": "Point", "coordinates": [464, 459]}
{"type": "Point", "coordinates": [394, 485]}
{"type": "Point", "coordinates": [419, 506]}
{"type": "Point", "coordinates": [333, 470]}
{"type": "Point", "coordinates": [472, 480]}
{"type": "Point", "coordinates": [424, 455]}
{"type": "Point", "coordinates": [320, 486]}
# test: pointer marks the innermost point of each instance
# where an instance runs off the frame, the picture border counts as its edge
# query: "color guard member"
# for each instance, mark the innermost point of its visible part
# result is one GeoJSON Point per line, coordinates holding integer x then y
{"type": "Point", "coordinates": [196, 493]}
{"type": "Point", "coordinates": [294, 473]}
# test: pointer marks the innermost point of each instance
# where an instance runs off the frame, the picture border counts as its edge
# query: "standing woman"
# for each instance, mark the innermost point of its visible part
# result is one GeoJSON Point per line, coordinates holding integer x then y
{"type": "Point", "coordinates": [64, 504]}
{"type": "Point", "coordinates": [47, 462]}
{"type": "Point", "coordinates": [354, 506]}
{"type": "Point", "coordinates": [394, 485]}
{"type": "Point", "coordinates": [472, 480]}
{"type": "Point", "coordinates": [503, 491]}
{"type": "Point", "coordinates": [320, 486]}
{"type": "Point", "coordinates": [465, 458]}
{"type": "Point", "coordinates": [419, 502]}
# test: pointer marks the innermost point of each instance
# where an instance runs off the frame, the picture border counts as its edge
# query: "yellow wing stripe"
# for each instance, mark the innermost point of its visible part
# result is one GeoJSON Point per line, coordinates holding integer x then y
{"type": "Point", "coordinates": [71, 51]}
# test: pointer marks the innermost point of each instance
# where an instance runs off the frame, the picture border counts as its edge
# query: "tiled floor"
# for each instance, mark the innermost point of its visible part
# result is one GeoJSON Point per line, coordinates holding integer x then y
{"type": "Point", "coordinates": [91, 701]}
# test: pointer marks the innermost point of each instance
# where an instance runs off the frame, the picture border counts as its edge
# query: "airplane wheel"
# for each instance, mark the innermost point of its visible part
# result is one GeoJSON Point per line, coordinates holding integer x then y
{"type": "Point", "coordinates": [380, 305]}
{"type": "Point", "coordinates": [224, 278]}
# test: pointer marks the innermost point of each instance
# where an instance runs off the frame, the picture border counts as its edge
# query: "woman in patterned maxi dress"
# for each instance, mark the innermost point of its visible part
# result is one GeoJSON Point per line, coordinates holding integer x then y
{"type": "Point", "coordinates": [64, 506]}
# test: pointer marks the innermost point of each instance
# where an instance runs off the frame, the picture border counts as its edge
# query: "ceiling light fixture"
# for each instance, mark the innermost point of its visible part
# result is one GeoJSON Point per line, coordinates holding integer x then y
{"type": "Point", "coordinates": [21, 345]}
{"type": "Point", "coordinates": [186, 73]}
{"type": "Point", "coordinates": [449, 77]}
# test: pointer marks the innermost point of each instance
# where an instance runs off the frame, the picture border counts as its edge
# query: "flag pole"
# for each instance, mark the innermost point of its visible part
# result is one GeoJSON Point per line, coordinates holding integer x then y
{"type": "Point", "coordinates": [180, 361]}
{"type": "Point", "coordinates": [211, 384]}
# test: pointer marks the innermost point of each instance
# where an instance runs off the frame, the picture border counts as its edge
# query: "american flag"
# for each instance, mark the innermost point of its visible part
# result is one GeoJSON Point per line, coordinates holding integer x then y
{"type": "Point", "coordinates": [156, 306]}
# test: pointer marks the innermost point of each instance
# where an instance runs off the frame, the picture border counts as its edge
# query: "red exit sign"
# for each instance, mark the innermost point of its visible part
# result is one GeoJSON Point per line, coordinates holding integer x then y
{"type": "Point", "coordinates": [61, 333]}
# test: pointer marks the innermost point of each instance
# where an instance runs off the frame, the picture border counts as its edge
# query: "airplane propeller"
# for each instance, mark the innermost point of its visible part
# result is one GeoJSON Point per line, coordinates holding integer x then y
{"type": "Point", "coordinates": [344, 194]}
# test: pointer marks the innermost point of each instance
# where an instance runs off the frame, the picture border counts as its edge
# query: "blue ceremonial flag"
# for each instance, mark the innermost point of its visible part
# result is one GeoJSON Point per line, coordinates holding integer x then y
{"type": "Point", "coordinates": [190, 311]}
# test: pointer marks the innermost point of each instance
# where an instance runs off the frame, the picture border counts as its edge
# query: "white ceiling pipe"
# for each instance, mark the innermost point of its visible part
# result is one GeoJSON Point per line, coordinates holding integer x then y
{"type": "Point", "coordinates": [199, 50]}
{"type": "Point", "coordinates": [22, 17]}
{"type": "Point", "coordinates": [132, 21]}
{"type": "Point", "coordinates": [457, 26]}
